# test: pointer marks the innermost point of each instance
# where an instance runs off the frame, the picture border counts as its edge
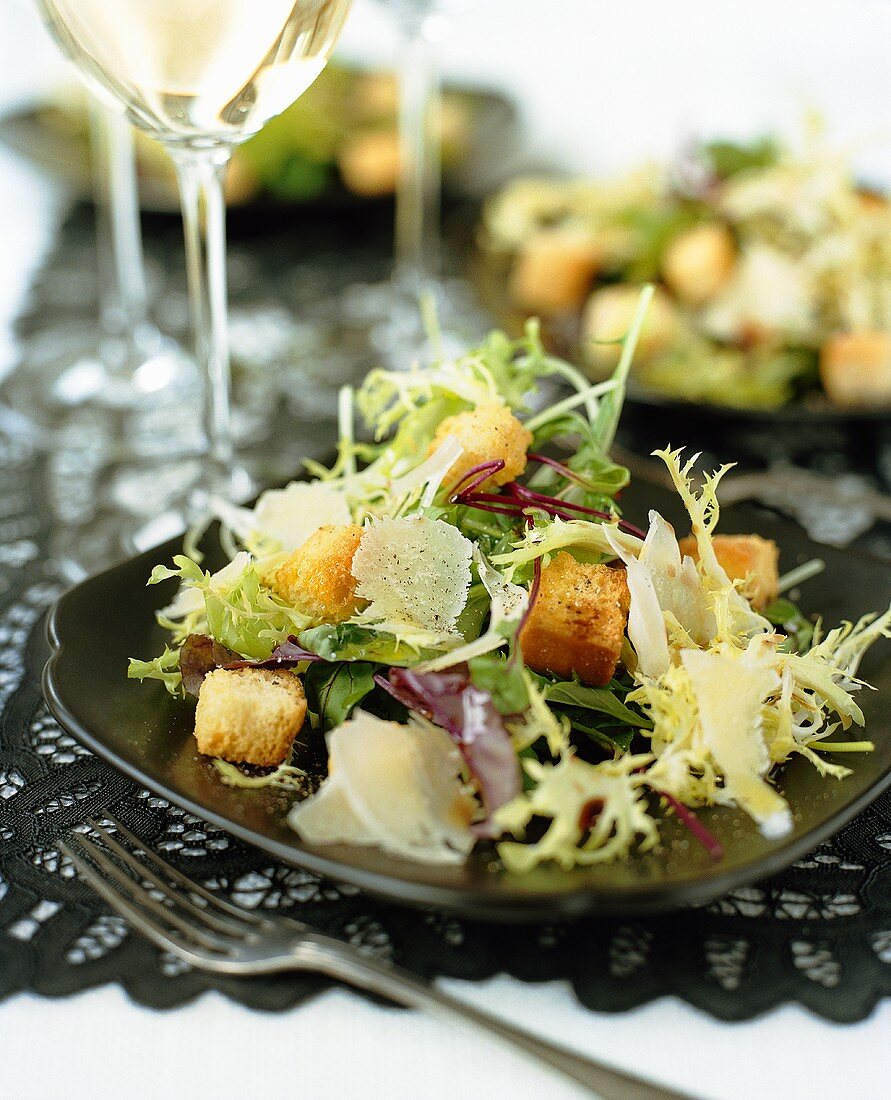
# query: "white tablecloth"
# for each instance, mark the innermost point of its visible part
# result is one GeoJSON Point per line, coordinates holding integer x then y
{"type": "Point", "coordinates": [601, 81]}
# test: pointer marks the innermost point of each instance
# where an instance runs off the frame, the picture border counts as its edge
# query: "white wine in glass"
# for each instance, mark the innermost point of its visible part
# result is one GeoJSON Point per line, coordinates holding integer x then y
{"type": "Point", "coordinates": [201, 76]}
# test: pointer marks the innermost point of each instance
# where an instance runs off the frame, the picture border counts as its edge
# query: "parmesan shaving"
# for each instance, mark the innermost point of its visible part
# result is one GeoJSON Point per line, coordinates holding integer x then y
{"type": "Point", "coordinates": [393, 786]}
{"type": "Point", "coordinates": [414, 571]}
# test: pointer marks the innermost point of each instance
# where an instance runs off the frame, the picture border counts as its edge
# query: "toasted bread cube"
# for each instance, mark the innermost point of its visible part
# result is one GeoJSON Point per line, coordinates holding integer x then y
{"type": "Point", "coordinates": [577, 624]}
{"type": "Point", "coordinates": [249, 715]}
{"type": "Point", "coordinates": [318, 576]}
{"type": "Point", "coordinates": [376, 95]}
{"type": "Point", "coordinates": [370, 162]}
{"type": "Point", "coordinates": [855, 368]}
{"type": "Point", "coordinates": [553, 272]}
{"type": "Point", "coordinates": [747, 558]}
{"type": "Point", "coordinates": [699, 262]}
{"type": "Point", "coordinates": [872, 203]}
{"type": "Point", "coordinates": [241, 181]}
{"type": "Point", "coordinates": [489, 432]}
{"type": "Point", "coordinates": [608, 315]}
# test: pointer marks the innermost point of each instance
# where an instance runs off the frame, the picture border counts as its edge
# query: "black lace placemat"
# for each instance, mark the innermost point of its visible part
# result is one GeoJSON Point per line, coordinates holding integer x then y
{"type": "Point", "coordinates": [819, 934]}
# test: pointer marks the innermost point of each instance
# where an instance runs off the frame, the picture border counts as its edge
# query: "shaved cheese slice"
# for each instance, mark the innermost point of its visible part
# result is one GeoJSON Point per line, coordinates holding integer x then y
{"type": "Point", "coordinates": [289, 516]}
{"type": "Point", "coordinates": [646, 622]}
{"type": "Point", "coordinates": [509, 601]}
{"type": "Point", "coordinates": [189, 599]}
{"type": "Point", "coordinates": [676, 581]}
{"type": "Point", "coordinates": [414, 571]}
{"type": "Point", "coordinates": [730, 689]}
{"type": "Point", "coordinates": [393, 786]}
{"type": "Point", "coordinates": [508, 605]}
{"type": "Point", "coordinates": [429, 473]}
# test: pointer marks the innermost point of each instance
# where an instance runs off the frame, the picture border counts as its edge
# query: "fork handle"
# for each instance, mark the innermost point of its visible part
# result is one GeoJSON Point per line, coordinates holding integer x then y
{"type": "Point", "coordinates": [346, 963]}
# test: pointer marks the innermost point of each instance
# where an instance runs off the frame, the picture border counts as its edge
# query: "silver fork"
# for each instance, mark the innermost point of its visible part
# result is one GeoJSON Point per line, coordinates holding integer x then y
{"type": "Point", "coordinates": [209, 933]}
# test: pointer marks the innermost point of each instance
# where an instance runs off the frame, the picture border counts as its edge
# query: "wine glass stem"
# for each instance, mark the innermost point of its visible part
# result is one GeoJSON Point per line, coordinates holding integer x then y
{"type": "Point", "coordinates": [123, 295]}
{"type": "Point", "coordinates": [200, 175]}
{"type": "Point", "coordinates": [418, 189]}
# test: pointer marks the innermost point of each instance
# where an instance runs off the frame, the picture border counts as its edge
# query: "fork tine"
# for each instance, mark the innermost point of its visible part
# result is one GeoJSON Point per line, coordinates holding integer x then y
{"type": "Point", "coordinates": [125, 908]}
{"type": "Point", "coordinates": [218, 903]}
{"type": "Point", "coordinates": [138, 894]}
{"type": "Point", "coordinates": [225, 924]}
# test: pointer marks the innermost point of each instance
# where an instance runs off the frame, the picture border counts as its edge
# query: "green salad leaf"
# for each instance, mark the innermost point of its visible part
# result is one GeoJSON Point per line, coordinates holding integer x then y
{"type": "Point", "coordinates": [164, 668]}
{"type": "Point", "coordinates": [333, 691]}
{"type": "Point", "coordinates": [503, 680]}
{"type": "Point", "coordinates": [729, 158]}
{"type": "Point", "coordinates": [354, 642]}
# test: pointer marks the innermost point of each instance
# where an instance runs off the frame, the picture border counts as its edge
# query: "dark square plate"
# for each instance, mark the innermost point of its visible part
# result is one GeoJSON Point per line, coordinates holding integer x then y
{"type": "Point", "coordinates": [147, 734]}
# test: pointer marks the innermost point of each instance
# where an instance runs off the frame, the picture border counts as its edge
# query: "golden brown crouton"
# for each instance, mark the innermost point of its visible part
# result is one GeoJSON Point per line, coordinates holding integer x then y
{"type": "Point", "coordinates": [553, 272]}
{"type": "Point", "coordinates": [608, 315]}
{"type": "Point", "coordinates": [369, 163]}
{"type": "Point", "coordinates": [747, 558]}
{"type": "Point", "coordinates": [241, 181]}
{"type": "Point", "coordinates": [376, 95]}
{"type": "Point", "coordinates": [249, 715]}
{"type": "Point", "coordinates": [855, 368]}
{"type": "Point", "coordinates": [578, 621]}
{"type": "Point", "coordinates": [872, 202]}
{"type": "Point", "coordinates": [699, 262]}
{"type": "Point", "coordinates": [487, 433]}
{"type": "Point", "coordinates": [317, 577]}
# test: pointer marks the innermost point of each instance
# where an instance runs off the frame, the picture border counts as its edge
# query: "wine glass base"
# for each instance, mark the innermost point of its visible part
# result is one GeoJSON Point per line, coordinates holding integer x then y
{"type": "Point", "coordinates": [404, 324]}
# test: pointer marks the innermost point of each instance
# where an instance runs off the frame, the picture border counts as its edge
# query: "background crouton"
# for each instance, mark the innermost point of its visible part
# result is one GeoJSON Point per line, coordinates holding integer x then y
{"type": "Point", "coordinates": [318, 578]}
{"type": "Point", "coordinates": [249, 715]}
{"type": "Point", "coordinates": [486, 433]}
{"type": "Point", "coordinates": [855, 368]}
{"type": "Point", "coordinates": [608, 315]}
{"type": "Point", "coordinates": [747, 558]}
{"type": "Point", "coordinates": [699, 262]}
{"type": "Point", "coordinates": [553, 272]}
{"type": "Point", "coordinates": [578, 621]}
{"type": "Point", "coordinates": [370, 163]}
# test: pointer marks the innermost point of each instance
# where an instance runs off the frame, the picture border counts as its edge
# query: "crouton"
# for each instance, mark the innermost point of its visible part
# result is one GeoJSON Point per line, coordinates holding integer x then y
{"type": "Point", "coordinates": [376, 95]}
{"type": "Point", "coordinates": [872, 203]}
{"type": "Point", "coordinates": [608, 315]}
{"type": "Point", "coordinates": [855, 368]}
{"type": "Point", "coordinates": [487, 433]}
{"type": "Point", "coordinates": [699, 262]}
{"type": "Point", "coordinates": [747, 558]}
{"type": "Point", "coordinates": [249, 715]}
{"type": "Point", "coordinates": [241, 184]}
{"type": "Point", "coordinates": [553, 272]}
{"type": "Point", "coordinates": [577, 624]}
{"type": "Point", "coordinates": [317, 577]}
{"type": "Point", "coordinates": [370, 163]}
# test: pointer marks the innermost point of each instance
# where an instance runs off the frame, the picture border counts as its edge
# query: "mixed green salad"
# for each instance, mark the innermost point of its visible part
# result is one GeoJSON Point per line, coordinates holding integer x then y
{"type": "Point", "coordinates": [488, 648]}
{"type": "Point", "coordinates": [773, 265]}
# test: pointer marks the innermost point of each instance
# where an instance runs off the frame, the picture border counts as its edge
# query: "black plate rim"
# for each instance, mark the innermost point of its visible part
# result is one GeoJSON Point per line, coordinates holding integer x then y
{"type": "Point", "coordinates": [507, 907]}
{"type": "Point", "coordinates": [797, 411]}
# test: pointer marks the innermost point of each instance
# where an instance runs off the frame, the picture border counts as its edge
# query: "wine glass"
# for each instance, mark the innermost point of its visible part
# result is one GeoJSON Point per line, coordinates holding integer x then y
{"type": "Point", "coordinates": [118, 364]}
{"type": "Point", "coordinates": [394, 311]}
{"type": "Point", "coordinates": [201, 76]}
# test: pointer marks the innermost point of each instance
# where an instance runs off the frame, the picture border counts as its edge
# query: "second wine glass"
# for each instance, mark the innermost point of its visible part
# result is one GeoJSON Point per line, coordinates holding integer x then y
{"type": "Point", "coordinates": [393, 312]}
{"type": "Point", "coordinates": [201, 76]}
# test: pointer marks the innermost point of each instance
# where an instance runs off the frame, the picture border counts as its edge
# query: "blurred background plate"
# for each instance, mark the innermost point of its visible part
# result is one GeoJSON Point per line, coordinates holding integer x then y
{"type": "Point", "coordinates": [336, 147]}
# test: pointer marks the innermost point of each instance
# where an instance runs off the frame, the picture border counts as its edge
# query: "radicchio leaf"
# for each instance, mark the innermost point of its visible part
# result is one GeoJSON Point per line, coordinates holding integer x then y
{"type": "Point", "coordinates": [287, 655]}
{"type": "Point", "coordinates": [468, 714]}
{"type": "Point", "coordinates": [199, 655]}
